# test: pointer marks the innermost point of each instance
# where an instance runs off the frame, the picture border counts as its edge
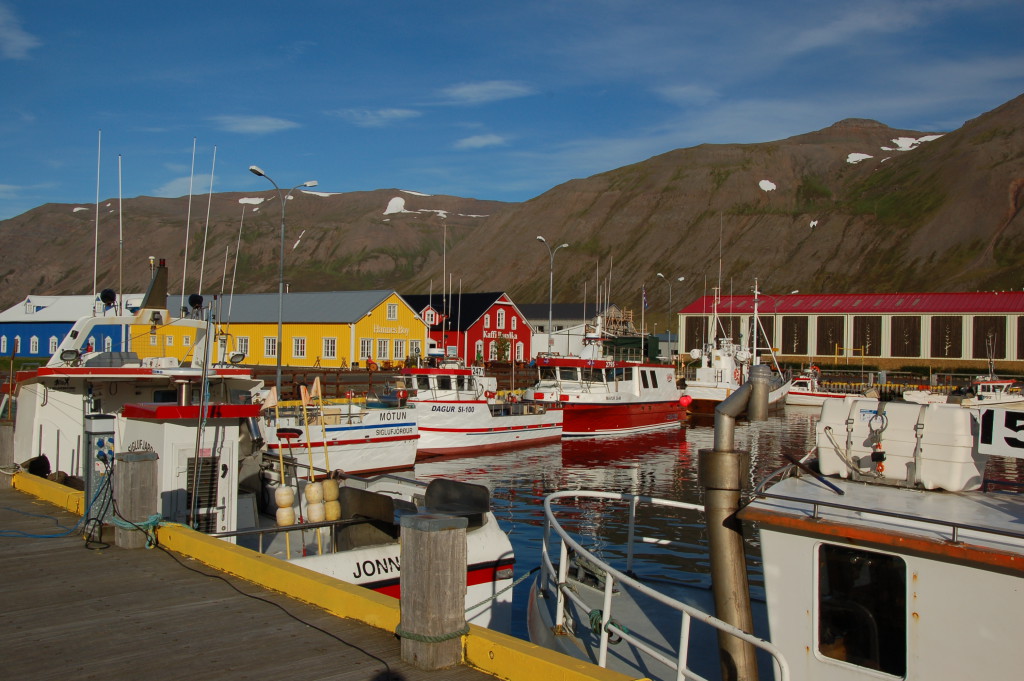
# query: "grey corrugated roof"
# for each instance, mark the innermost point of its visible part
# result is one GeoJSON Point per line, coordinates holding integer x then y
{"type": "Point", "coordinates": [59, 308]}
{"type": "Point", "coordinates": [307, 307]}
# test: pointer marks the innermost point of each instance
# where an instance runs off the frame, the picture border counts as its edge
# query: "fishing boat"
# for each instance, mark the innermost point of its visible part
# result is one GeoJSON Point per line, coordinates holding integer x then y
{"type": "Point", "coordinates": [354, 435]}
{"type": "Point", "coordinates": [984, 391]}
{"type": "Point", "coordinates": [604, 396]}
{"type": "Point", "coordinates": [887, 556]}
{"type": "Point", "coordinates": [807, 390]}
{"type": "Point", "coordinates": [459, 410]}
{"type": "Point", "coordinates": [725, 364]}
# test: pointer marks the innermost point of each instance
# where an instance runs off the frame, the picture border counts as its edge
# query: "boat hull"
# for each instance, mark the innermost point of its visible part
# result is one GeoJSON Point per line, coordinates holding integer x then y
{"type": "Point", "coordinates": [456, 427]}
{"type": "Point", "coordinates": [706, 398]}
{"type": "Point", "coordinates": [590, 420]}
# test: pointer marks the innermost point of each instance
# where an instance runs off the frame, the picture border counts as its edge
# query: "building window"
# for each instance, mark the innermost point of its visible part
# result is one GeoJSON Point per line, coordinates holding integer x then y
{"type": "Point", "coordinates": [492, 353]}
{"type": "Point", "coordinates": [270, 347]}
{"type": "Point", "coordinates": [241, 344]}
{"type": "Point", "coordinates": [392, 311]}
{"type": "Point", "coordinates": [169, 340]}
{"type": "Point", "coordinates": [514, 320]}
{"type": "Point", "coordinates": [429, 317]}
{"type": "Point", "coordinates": [830, 335]}
{"type": "Point", "coordinates": [415, 348]}
{"type": "Point", "coordinates": [905, 337]}
{"type": "Point", "coordinates": [487, 321]}
{"type": "Point", "coordinates": [365, 348]}
{"type": "Point", "coordinates": [989, 338]}
{"type": "Point", "coordinates": [794, 336]}
{"type": "Point", "coordinates": [152, 340]}
{"type": "Point", "coordinates": [765, 333]}
{"type": "Point", "coordinates": [382, 348]}
{"type": "Point", "coordinates": [330, 348]}
{"type": "Point", "coordinates": [695, 332]}
{"type": "Point", "coordinates": [1020, 337]}
{"type": "Point", "coordinates": [53, 344]}
{"type": "Point", "coordinates": [947, 337]}
{"type": "Point", "coordinates": [519, 348]}
{"type": "Point", "coordinates": [3, 343]}
{"type": "Point", "coordinates": [500, 319]}
{"type": "Point", "coordinates": [17, 344]}
{"type": "Point", "coordinates": [187, 341]}
{"type": "Point", "coordinates": [299, 348]}
{"type": "Point", "coordinates": [862, 611]}
{"type": "Point", "coordinates": [33, 345]}
{"type": "Point", "coordinates": [108, 343]}
{"type": "Point", "coordinates": [478, 351]}
{"type": "Point", "coordinates": [867, 337]}
{"type": "Point", "coordinates": [399, 348]}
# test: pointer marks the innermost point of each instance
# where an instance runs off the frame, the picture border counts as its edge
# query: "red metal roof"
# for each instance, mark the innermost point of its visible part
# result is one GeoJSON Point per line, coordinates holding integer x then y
{"type": "Point", "coordinates": [866, 303]}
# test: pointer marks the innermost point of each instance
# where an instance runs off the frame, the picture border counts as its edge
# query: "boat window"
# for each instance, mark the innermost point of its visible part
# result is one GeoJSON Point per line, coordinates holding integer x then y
{"type": "Point", "coordinates": [548, 374]}
{"type": "Point", "coordinates": [593, 375]}
{"type": "Point", "coordinates": [643, 379]}
{"type": "Point", "coordinates": [624, 374]}
{"type": "Point", "coordinates": [654, 379]}
{"type": "Point", "coordinates": [423, 382]}
{"type": "Point", "coordinates": [568, 373]}
{"type": "Point", "coordinates": [460, 382]}
{"type": "Point", "coordinates": [862, 608]}
{"type": "Point", "coordinates": [444, 382]}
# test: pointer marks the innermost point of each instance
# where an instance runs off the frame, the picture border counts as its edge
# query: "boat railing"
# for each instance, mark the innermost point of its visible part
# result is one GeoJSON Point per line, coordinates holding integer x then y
{"type": "Point", "coordinates": [558, 575]}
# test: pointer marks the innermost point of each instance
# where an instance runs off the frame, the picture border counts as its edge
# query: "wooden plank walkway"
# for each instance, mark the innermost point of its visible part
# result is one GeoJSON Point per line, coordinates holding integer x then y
{"type": "Point", "coordinates": [113, 614]}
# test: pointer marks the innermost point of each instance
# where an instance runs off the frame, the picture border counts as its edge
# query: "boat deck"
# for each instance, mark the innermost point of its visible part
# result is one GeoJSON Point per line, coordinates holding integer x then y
{"type": "Point", "coordinates": [70, 612]}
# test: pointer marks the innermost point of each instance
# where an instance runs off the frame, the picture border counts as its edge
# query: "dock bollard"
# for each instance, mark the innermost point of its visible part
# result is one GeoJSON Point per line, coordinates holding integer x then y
{"type": "Point", "coordinates": [135, 494]}
{"type": "Point", "coordinates": [433, 583]}
{"type": "Point", "coordinates": [6, 451]}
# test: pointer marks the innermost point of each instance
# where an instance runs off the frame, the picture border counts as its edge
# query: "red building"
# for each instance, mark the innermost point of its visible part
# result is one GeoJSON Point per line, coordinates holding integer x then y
{"type": "Point", "coordinates": [475, 326]}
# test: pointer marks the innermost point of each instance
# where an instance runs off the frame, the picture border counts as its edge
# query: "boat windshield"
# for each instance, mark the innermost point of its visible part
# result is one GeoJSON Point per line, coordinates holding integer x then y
{"type": "Point", "coordinates": [568, 374]}
{"type": "Point", "coordinates": [593, 375]}
{"type": "Point", "coordinates": [548, 374]}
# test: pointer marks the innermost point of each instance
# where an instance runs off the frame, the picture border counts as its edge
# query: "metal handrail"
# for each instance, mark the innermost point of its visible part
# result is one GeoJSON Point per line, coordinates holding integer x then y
{"type": "Point", "coordinates": [688, 612]}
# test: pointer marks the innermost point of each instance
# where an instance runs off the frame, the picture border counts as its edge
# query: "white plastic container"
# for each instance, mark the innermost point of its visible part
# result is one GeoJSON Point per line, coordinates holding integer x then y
{"type": "Point", "coordinates": [943, 436]}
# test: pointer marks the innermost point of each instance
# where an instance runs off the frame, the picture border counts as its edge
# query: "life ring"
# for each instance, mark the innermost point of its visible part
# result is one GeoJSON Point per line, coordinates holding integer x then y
{"type": "Point", "coordinates": [814, 370]}
{"type": "Point", "coordinates": [371, 365]}
{"type": "Point", "coordinates": [511, 399]}
{"type": "Point", "coordinates": [736, 375]}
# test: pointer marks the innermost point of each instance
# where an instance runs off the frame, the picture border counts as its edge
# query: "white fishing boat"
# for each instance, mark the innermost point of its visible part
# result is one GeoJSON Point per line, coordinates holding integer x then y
{"type": "Point", "coordinates": [354, 435]}
{"type": "Point", "coordinates": [459, 410]}
{"type": "Point", "coordinates": [725, 365]}
{"type": "Point", "coordinates": [984, 391]}
{"type": "Point", "coordinates": [807, 390]}
{"type": "Point", "coordinates": [885, 558]}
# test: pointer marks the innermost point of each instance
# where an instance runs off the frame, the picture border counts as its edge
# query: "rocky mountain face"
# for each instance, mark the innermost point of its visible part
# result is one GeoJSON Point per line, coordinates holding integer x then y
{"type": "Point", "coordinates": [855, 207]}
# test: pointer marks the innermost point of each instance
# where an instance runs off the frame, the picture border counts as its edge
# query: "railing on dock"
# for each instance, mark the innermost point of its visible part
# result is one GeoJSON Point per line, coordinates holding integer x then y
{"type": "Point", "coordinates": [555, 577]}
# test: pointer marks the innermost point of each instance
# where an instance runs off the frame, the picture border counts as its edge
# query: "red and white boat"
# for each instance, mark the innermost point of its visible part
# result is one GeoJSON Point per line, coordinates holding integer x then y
{"type": "Point", "coordinates": [807, 390]}
{"type": "Point", "coordinates": [602, 396]}
{"type": "Point", "coordinates": [984, 391]}
{"type": "Point", "coordinates": [459, 411]}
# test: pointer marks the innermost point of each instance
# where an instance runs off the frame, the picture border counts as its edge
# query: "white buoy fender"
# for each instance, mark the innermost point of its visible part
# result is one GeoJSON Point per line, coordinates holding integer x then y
{"type": "Point", "coordinates": [332, 510]}
{"type": "Point", "coordinates": [314, 493]}
{"type": "Point", "coordinates": [330, 486]}
{"type": "Point", "coordinates": [284, 497]}
{"type": "Point", "coordinates": [285, 516]}
{"type": "Point", "coordinates": [315, 512]}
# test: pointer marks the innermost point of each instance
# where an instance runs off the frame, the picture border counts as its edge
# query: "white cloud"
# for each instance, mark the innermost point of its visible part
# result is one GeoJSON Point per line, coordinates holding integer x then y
{"type": "Point", "coordinates": [258, 125]}
{"type": "Point", "coordinates": [485, 91]}
{"type": "Point", "coordinates": [179, 187]}
{"type": "Point", "coordinates": [366, 118]}
{"type": "Point", "coordinates": [15, 42]}
{"type": "Point", "coordinates": [480, 141]}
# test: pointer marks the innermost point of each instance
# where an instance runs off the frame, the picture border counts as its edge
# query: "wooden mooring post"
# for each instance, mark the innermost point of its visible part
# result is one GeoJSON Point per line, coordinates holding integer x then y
{"type": "Point", "coordinates": [433, 584]}
{"type": "Point", "coordinates": [6, 451]}
{"type": "Point", "coordinates": [135, 494]}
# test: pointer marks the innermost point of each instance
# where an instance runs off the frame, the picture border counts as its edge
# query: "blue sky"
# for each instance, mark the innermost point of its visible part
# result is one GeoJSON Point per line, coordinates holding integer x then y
{"type": "Point", "coordinates": [491, 100]}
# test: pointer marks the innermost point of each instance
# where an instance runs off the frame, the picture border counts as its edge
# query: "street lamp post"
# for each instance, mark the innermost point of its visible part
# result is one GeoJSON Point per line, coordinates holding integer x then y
{"type": "Point", "coordinates": [551, 282]}
{"type": "Point", "coordinates": [283, 198]}
{"type": "Point", "coordinates": [670, 309]}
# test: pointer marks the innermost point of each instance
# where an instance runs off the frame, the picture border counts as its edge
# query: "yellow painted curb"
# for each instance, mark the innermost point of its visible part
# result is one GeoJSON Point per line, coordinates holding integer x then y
{"type": "Point", "coordinates": [491, 652]}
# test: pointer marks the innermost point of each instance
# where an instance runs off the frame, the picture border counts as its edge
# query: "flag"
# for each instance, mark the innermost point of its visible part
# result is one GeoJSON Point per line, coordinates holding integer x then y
{"type": "Point", "coordinates": [645, 296]}
{"type": "Point", "coordinates": [316, 391]}
{"type": "Point", "coordinates": [304, 392]}
{"type": "Point", "coordinates": [270, 401]}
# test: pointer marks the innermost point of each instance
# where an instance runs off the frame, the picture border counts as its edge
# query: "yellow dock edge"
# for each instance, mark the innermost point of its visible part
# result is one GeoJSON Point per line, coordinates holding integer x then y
{"type": "Point", "coordinates": [492, 652]}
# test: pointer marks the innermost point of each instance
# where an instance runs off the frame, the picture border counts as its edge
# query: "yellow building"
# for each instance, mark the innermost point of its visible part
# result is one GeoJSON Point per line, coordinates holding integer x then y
{"type": "Point", "coordinates": [334, 329]}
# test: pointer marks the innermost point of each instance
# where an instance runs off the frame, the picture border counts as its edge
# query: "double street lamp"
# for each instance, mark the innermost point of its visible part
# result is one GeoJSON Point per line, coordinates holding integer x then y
{"type": "Point", "coordinates": [670, 309]}
{"type": "Point", "coordinates": [551, 282]}
{"type": "Point", "coordinates": [283, 198]}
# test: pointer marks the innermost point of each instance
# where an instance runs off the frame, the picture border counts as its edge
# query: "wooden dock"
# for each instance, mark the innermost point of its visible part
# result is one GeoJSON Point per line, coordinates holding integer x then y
{"type": "Point", "coordinates": [71, 612]}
